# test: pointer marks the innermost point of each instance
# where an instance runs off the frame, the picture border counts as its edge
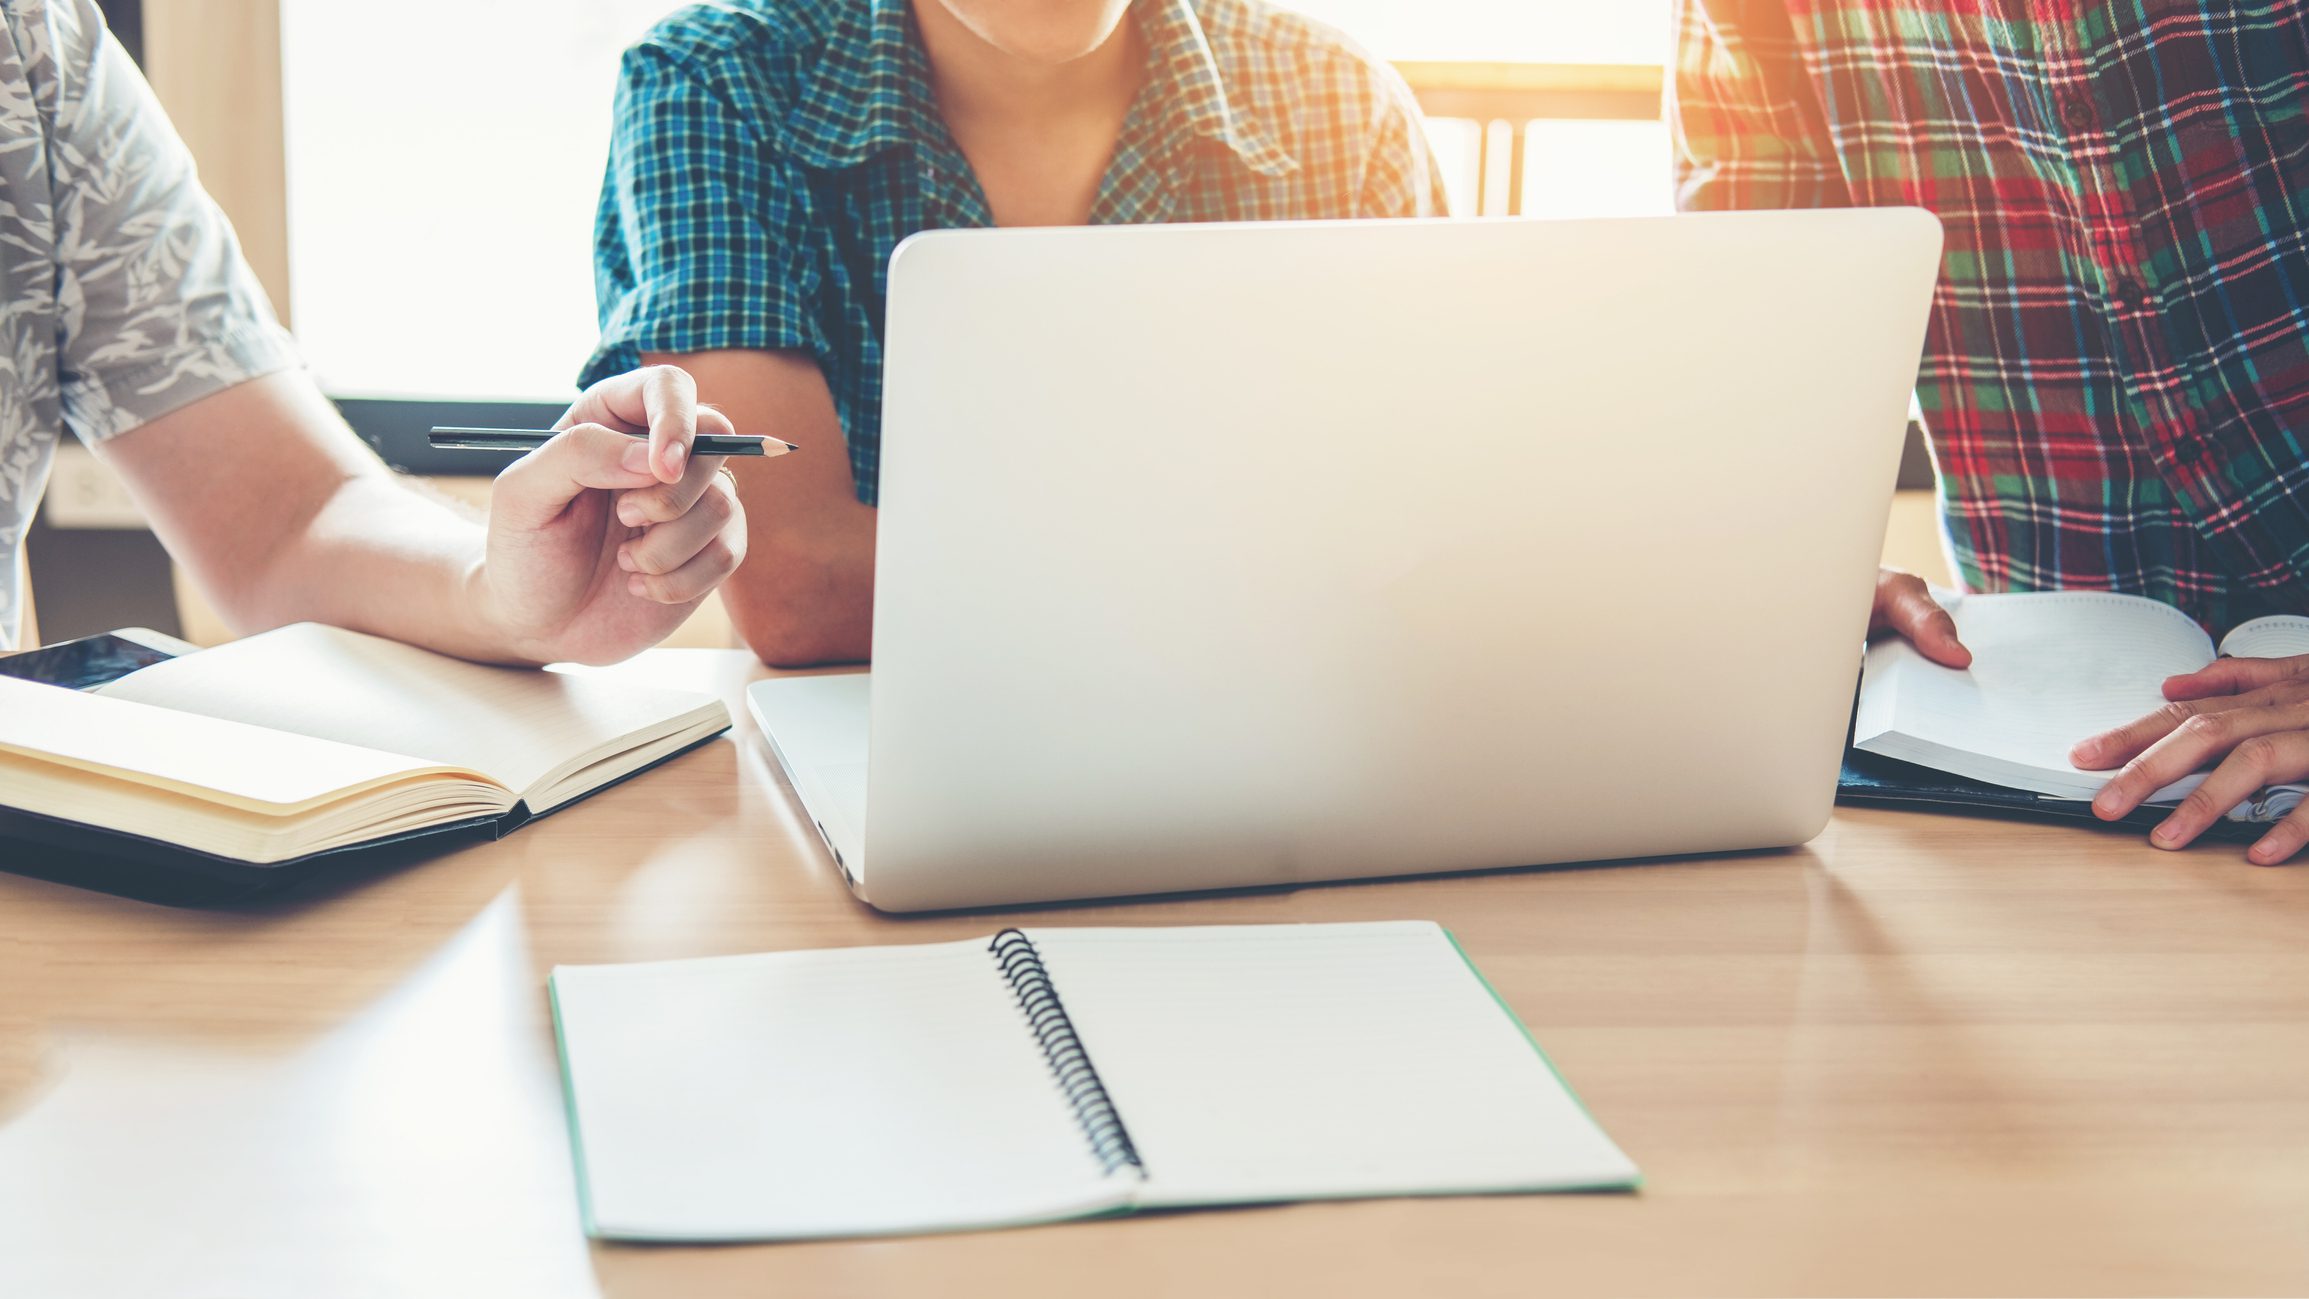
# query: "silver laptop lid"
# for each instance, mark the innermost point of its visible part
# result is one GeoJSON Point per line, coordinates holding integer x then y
{"type": "Point", "coordinates": [1224, 555]}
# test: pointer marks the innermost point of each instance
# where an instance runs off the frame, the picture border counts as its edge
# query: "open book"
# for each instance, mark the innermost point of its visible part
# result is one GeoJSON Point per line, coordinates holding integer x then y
{"type": "Point", "coordinates": [309, 739]}
{"type": "Point", "coordinates": [1049, 1074]}
{"type": "Point", "coordinates": [2049, 669]}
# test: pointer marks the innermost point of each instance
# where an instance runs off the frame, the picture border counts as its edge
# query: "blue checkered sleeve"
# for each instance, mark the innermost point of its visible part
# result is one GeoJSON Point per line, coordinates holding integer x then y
{"type": "Point", "coordinates": [700, 233]}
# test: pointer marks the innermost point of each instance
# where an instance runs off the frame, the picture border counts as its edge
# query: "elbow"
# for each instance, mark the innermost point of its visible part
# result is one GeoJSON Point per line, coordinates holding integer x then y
{"type": "Point", "coordinates": [797, 647]}
{"type": "Point", "coordinates": [796, 633]}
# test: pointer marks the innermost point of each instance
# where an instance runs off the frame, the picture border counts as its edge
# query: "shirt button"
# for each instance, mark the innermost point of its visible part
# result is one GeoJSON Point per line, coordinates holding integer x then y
{"type": "Point", "coordinates": [2079, 111]}
{"type": "Point", "coordinates": [2130, 292]}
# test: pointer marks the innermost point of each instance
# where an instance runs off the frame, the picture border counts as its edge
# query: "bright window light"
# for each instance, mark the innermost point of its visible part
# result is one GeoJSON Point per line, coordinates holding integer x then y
{"type": "Point", "coordinates": [1502, 31]}
{"type": "Point", "coordinates": [444, 157]}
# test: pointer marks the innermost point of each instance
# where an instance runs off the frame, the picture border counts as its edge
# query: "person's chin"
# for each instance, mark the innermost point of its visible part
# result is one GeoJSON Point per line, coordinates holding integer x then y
{"type": "Point", "coordinates": [1051, 53]}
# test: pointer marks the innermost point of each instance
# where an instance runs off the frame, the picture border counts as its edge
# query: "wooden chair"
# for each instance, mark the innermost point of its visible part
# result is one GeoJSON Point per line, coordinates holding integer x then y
{"type": "Point", "coordinates": [1505, 98]}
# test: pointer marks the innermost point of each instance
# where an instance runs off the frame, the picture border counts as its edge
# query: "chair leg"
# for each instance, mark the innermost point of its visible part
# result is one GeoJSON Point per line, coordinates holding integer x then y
{"type": "Point", "coordinates": [1516, 147]}
{"type": "Point", "coordinates": [1482, 169]}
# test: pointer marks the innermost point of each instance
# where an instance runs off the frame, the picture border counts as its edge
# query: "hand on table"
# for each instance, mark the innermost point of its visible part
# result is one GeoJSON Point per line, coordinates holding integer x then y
{"type": "Point", "coordinates": [1905, 608]}
{"type": "Point", "coordinates": [2251, 714]}
{"type": "Point", "coordinates": [599, 543]}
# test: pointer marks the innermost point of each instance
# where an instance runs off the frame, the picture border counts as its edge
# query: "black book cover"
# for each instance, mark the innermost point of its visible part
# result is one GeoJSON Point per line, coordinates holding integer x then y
{"type": "Point", "coordinates": [150, 870]}
{"type": "Point", "coordinates": [1871, 781]}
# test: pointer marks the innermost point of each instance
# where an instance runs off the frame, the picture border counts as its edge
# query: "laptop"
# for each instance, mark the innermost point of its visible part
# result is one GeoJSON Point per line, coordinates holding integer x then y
{"type": "Point", "coordinates": [1254, 555]}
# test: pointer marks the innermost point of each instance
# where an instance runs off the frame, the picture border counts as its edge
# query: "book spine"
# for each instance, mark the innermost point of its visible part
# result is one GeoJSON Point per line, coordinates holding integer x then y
{"type": "Point", "coordinates": [1070, 1064]}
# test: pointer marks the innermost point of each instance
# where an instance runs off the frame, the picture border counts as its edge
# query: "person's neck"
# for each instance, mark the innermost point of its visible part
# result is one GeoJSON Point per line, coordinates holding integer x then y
{"type": "Point", "coordinates": [982, 84]}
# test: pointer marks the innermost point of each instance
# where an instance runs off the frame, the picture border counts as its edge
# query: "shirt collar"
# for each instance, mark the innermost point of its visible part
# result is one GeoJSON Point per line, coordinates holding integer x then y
{"type": "Point", "coordinates": [1184, 72]}
{"type": "Point", "coordinates": [871, 88]}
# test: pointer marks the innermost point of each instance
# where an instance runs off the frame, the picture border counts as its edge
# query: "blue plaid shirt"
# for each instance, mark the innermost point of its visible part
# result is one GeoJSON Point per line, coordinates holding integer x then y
{"type": "Point", "coordinates": [768, 155]}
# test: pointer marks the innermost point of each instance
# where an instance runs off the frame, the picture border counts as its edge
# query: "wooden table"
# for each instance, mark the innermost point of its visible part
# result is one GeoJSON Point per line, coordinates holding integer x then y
{"type": "Point", "coordinates": [1921, 1055]}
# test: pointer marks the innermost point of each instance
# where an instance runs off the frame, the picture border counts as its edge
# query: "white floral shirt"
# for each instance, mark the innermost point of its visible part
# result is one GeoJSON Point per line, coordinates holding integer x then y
{"type": "Point", "coordinates": [123, 295]}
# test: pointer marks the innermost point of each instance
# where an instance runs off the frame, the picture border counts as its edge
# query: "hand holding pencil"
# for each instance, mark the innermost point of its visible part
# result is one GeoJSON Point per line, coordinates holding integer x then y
{"type": "Point", "coordinates": [611, 529]}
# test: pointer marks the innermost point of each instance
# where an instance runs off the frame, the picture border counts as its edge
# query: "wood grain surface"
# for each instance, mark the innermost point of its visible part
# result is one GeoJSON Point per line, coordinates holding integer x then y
{"type": "Point", "coordinates": [1921, 1055]}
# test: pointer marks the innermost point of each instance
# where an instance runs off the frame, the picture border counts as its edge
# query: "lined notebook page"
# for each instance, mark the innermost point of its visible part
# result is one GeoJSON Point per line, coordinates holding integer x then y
{"type": "Point", "coordinates": [2275, 637]}
{"type": "Point", "coordinates": [2047, 671]}
{"type": "Point", "coordinates": [517, 726]}
{"type": "Point", "coordinates": [1263, 1062]}
{"type": "Point", "coordinates": [830, 1093]}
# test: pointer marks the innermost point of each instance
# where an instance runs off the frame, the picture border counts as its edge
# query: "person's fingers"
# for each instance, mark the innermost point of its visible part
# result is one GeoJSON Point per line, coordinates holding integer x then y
{"type": "Point", "coordinates": [2115, 747]}
{"type": "Point", "coordinates": [2236, 780]}
{"type": "Point", "coordinates": [614, 401]}
{"type": "Point", "coordinates": [2283, 840]}
{"type": "Point", "coordinates": [670, 407]}
{"type": "Point", "coordinates": [2196, 741]}
{"type": "Point", "coordinates": [666, 502]}
{"type": "Point", "coordinates": [659, 400]}
{"type": "Point", "coordinates": [715, 560]}
{"type": "Point", "coordinates": [1905, 607]}
{"type": "Point", "coordinates": [667, 546]}
{"type": "Point", "coordinates": [535, 489]}
{"type": "Point", "coordinates": [2234, 677]}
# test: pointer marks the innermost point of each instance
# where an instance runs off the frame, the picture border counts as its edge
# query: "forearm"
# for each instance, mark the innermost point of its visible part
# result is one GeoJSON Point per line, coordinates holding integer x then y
{"type": "Point", "coordinates": [805, 595]}
{"type": "Point", "coordinates": [280, 515]}
{"type": "Point", "coordinates": [383, 556]}
{"type": "Point", "coordinates": [803, 598]}
{"type": "Point", "coordinates": [597, 544]}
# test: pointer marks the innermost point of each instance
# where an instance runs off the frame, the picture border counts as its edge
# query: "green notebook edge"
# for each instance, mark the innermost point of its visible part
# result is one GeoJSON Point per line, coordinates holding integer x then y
{"type": "Point", "coordinates": [569, 1107]}
{"type": "Point", "coordinates": [1635, 1183]}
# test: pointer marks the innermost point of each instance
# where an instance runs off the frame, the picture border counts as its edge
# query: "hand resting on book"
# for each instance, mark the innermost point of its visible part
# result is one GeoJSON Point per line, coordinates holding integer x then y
{"type": "Point", "coordinates": [2251, 714]}
{"type": "Point", "coordinates": [2247, 711]}
{"type": "Point", "coordinates": [1905, 608]}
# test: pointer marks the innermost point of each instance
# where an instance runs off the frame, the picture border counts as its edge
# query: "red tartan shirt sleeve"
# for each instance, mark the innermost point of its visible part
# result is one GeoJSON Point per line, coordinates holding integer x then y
{"type": "Point", "coordinates": [1747, 125]}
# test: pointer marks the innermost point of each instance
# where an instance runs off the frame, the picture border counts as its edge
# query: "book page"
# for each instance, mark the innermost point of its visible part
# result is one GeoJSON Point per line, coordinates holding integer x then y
{"type": "Point", "coordinates": [2047, 671]}
{"type": "Point", "coordinates": [830, 1093]}
{"type": "Point", "coordinates": [1269, 1062]}
{"type": "Point", "coordinates": [2278, 636]}
{"type": "Point", "coordinates": [204, 822]}
{"type": "Point", "coordinates": [222, 762]}
{"type": "Point", "coordinates": [523, 728]}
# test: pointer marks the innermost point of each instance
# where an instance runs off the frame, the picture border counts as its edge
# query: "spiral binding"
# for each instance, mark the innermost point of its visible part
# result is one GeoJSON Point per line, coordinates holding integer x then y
{"type": "Point", "coordinates": [1070, 1064]}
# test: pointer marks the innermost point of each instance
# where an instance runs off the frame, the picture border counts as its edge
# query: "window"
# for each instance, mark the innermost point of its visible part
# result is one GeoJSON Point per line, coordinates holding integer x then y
{"type": "Point", "coordinates": [1502, 31]}
{"type": "Point", "coordinates": [1571, 168]}
{"type": "Point", "coordinates": [443, 161]}
{"type": "Point", "coordinates": [444, 157]}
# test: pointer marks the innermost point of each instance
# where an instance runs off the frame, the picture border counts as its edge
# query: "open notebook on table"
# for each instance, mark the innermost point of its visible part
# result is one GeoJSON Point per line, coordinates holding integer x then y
{"type": "Point", "coordinates": [309, 741]}
{"type": "Point", "coordinates": [2048, 670]}
{"type": "Point", "coordinates": [1048, 1074]}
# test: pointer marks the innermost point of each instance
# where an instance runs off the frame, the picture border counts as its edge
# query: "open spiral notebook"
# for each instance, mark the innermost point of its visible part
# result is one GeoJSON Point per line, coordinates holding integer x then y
{"type": "Point", "coordinates": [1049, 1074]}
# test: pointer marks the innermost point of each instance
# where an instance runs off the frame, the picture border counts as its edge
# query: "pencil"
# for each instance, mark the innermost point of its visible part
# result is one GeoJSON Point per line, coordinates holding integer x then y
{"type": "Point", "coordinates": [520, 439]}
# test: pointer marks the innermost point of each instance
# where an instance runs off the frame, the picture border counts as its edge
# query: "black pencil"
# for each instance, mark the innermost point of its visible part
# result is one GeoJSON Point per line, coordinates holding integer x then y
{"type": "Point", "coordinates": [519, 439]}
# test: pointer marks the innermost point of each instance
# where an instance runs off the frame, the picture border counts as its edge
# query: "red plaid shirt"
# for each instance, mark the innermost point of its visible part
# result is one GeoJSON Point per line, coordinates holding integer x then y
{"type": "Point", "coordinates": [2117, 375]}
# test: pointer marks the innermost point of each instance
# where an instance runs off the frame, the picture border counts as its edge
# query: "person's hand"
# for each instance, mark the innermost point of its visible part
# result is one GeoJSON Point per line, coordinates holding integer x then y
{"type": "Point", "coordinates": [1905, 608]}
{"type": "Point", "coordinates": [2251, 714]}
{"type": "Point", "coordinates": [600, 543]}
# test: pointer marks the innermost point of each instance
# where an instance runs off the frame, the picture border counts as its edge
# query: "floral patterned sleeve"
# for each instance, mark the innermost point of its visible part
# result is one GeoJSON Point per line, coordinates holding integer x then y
{"type": "Point", "coordinates": [155, 306]}
{"type": "Point", "coordinates": [123, 295]}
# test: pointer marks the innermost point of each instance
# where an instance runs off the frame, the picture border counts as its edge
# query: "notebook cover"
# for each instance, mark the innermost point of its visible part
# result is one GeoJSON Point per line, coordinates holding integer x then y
{"type": "Point", "coordinates": [152, 870]}
{"type": "Point", "coordinates": [1871, 781]}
